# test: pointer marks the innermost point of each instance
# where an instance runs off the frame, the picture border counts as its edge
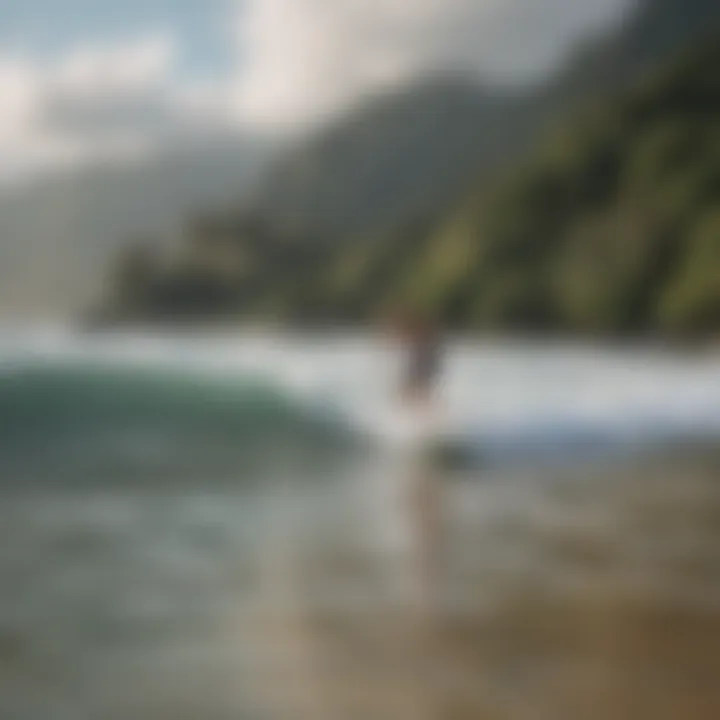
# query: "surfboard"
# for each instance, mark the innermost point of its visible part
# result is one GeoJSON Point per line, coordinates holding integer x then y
{"type": "Point", "coordinates": [452, 454]}
{"type": "Point", "coordinates": [427, 437]}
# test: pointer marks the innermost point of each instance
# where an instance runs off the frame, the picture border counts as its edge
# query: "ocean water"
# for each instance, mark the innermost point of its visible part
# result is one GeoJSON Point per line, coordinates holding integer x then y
{"type": "Point", "coordinates": [161, 497]}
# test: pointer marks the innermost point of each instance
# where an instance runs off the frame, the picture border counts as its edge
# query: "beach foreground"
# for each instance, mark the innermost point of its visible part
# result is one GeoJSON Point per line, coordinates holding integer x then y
{"type": "Point", "coordinates": [594, 598]}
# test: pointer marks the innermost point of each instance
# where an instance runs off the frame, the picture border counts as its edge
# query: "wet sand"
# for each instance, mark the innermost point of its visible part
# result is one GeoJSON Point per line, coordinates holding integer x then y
{"type": "Point", "coordinates": [572, 593]}
{"type": "Point", "coordinates": [592, 595]}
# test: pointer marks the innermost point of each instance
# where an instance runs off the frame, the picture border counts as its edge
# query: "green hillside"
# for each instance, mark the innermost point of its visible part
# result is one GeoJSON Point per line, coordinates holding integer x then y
{"type": "Point", "coordinates": [396, 157]}
{"type": "Point", "coordinates": [610, 226]}
{"type": "Point", "coordinates": [407, 156]}
{"type": "Point", "coordinates": [59, 232]}
{"type": "Point", "coordinates": [614, 227]}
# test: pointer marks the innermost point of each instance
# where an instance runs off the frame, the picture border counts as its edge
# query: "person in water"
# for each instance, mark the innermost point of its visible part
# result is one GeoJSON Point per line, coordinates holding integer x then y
{"type": "Point", "coordinates": [423, 363]}
{"type": "Point", "coordinates": [421, 372]}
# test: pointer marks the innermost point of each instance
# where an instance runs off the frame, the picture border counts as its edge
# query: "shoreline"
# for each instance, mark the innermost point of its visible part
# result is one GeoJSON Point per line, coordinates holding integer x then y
{"type": "Point", "coordinates": [602, 342]}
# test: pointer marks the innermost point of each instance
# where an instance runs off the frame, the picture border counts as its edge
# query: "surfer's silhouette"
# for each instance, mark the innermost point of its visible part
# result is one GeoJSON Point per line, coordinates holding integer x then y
{"type": "Point", "coordinates": [423, 363]}
{"type": "Point", "coordinates": [421, 371]}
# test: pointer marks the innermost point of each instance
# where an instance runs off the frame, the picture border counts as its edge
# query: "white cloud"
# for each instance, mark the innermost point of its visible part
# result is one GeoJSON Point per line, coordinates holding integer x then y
{"type": "Point", "coordinates": [306, 58]}
{"type": "Point", "coordinates": [298, 62]}
{"type": "Point", "coordinates": [97, 102]}
{"type": "Point", "coordinates": [117, 68]}
{"type": "Point", "coordinates": [19, 84]}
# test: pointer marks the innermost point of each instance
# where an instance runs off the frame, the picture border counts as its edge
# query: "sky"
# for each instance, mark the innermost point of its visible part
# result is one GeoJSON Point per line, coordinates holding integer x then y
{"type": "Point", "coordinates": [87, 79]}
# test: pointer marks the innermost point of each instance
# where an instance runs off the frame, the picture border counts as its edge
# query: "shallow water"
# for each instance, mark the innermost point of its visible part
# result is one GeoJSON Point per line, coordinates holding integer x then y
{"type": "Point", "coordinates": [210, 528]}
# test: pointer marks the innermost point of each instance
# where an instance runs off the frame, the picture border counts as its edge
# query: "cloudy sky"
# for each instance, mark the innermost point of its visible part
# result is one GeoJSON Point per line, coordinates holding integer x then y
{"type": "Point", "coordinates": [81, 79]}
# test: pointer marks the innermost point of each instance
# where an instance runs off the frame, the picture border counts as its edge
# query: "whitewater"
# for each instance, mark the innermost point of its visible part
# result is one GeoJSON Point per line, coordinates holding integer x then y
{"type": "Point", "coordinates": [500, 400]}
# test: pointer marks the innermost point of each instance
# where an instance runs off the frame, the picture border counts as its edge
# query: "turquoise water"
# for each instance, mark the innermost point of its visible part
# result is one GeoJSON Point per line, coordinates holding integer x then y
{"type": "Point", "coordinates": [195, 403]}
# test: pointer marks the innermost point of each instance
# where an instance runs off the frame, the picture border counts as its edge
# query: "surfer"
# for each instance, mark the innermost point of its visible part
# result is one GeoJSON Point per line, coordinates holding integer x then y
{"type": "Point", "coordinates": [423, 363]}
{"type": "Point", "coordinates": [420, 376]}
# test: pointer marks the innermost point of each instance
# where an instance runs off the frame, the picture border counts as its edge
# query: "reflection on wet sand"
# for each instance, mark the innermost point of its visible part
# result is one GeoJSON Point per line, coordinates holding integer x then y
{"type": "Point", "coordinates": [593, 596]}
